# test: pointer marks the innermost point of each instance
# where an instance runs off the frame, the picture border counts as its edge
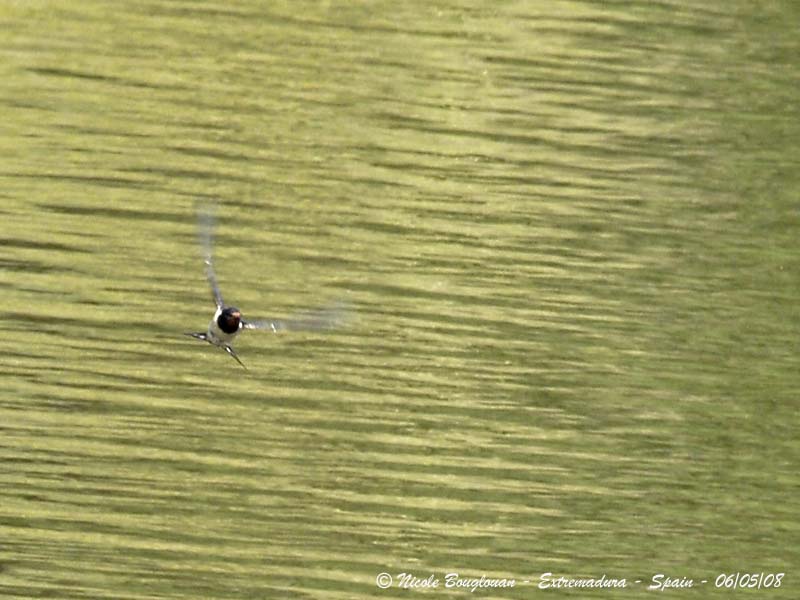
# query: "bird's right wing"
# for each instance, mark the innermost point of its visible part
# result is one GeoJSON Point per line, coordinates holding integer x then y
{"type": "Point", "coordinates": [205, 231]}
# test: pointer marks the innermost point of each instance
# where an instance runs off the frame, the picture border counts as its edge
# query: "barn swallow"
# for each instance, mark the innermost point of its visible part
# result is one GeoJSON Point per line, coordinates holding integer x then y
{"type": "Point", "coordinates": [227, 321]}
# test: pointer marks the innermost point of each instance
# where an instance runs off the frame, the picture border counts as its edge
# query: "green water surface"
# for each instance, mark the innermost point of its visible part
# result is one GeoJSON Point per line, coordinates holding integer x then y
{"type": "Point", "coordinates": [568, 232]}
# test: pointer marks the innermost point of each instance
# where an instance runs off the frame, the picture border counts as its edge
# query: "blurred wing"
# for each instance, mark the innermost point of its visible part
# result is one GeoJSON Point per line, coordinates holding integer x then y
{"type": "Point", "coordinates": [206, 234]}
{"type": "Point", "coordinates": [274, 325]}
{"type": "Point", "coordinates": [325, 318]}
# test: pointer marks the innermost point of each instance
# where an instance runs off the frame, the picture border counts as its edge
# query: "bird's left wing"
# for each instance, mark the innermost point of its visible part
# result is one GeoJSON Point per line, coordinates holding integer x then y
{"type": "Point", "coordinates": [328, 317]}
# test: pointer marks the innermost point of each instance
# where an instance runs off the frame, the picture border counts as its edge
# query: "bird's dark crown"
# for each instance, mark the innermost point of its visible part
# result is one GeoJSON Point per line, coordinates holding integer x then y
{"type": "Point", "coordinates": [229, 319]}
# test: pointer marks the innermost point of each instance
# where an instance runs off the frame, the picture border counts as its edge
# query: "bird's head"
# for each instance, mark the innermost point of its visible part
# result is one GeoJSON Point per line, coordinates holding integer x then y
{"type": "Point", "coordinates": [230, 319]}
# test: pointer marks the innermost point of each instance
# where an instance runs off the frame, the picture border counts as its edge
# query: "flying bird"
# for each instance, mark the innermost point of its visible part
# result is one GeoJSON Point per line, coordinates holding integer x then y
{"type": "Point", "coordinates": [228, 321]}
